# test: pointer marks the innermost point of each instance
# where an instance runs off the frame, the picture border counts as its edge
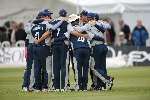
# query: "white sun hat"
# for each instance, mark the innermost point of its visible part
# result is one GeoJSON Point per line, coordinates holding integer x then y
{"type": "Point", "coordinates": [73, 17]}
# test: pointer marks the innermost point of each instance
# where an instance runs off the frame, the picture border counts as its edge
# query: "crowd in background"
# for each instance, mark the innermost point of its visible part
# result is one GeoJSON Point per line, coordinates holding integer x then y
{"type": "Point", "coordinates": [12, 31]}
{"type": "Point", "coordinates": [127, 37]}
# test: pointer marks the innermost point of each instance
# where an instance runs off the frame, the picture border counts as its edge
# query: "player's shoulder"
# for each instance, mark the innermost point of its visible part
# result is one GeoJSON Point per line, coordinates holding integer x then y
{"type": "Point", "coordinates": [54, 21]}
{"type": "Point", "coordinates": [37, 21]}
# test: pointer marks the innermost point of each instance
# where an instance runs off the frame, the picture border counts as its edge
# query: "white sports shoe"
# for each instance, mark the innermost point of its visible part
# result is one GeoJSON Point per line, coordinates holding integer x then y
{"type": "Point", "coordinates": [62, 90]}
{"type": "Point", "coordinates": [50, 90]}
{"type": "Point", "coordinates": [110, 84]}
{"type": "Point", "coordinates": [84, 90]}
{"type": "Point", "coordinates": [25, 89]}
{"type": "Point", "coordinates": [76, 87]}
{"type": "Point", "coordinates": [56, 90]}
{"type": "Point", "coordinates": [104, 89]}
{"type": "Point", "coordinates": [35, 90]}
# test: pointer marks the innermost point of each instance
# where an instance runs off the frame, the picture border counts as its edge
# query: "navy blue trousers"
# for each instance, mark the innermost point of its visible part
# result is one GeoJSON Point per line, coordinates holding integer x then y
{"type": "Point", "coordinates": [71, 63]}
{"type": "Point", "coordinates": [29, 61]}
{"type": "Point", "coordinates": [40, 53]}
{"type": "Point", "coordinates": [82, 56]}
{"type": "Point", "coordinates": [99, 54]}
{"type": "Point", "coordinates": [59, 65]}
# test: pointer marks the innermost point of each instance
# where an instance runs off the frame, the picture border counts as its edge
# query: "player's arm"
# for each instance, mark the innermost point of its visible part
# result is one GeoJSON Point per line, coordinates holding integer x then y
{"type": "Point", "coordinates": [100, 25]}
{"type": "Point", "coordinates": [94, 37]}
{"type": "Point", "coordinates": [86, 27]}
{"type": "Point", "coordinates": [75, 31]}
{"type": "Point", "coordinates": [78, 34]}
{"type": "Point", "coordinates": [44, 36]}
{"type": "Point", "coordinates": [103, 24]}
{"type": "Point", "coordinates": [48, 33]}
{"type": "Point", "coordinates": [55, 26]}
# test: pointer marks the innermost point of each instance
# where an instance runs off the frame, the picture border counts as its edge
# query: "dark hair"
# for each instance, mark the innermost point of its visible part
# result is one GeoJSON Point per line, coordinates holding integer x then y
{"type": "Point", "coordinates": [76, 22]}
{"type": "Point", "coordinates": [83, 13]}
{"type": "Point", "coordinates": [63, 13]}
{"type": "Point", "coordinates": [7, 24]}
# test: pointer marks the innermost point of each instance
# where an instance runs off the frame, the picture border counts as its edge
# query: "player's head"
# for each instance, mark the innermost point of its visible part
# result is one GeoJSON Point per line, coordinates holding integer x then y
{"type": "Point", "coordinates": [45, 14]}
{"type": "Point", "coordinates": [91, 16]}
{"type": "Point", "coordinates": [62, 13]}
{"type": "Point", "coordinates": [83, 16]}
{"type": "Point", "coordinates": [48, 12]}
{"type": "Point", "coordinates": [40, 14]}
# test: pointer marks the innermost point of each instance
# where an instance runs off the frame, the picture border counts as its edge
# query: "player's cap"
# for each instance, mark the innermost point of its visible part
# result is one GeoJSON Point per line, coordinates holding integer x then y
{"type": "Point", "coordinates": [83, 13]}
{"type": "Point", "coordinates": [62, 13]}
{"type": "Point", "coordinates": [96, 16]}
{"type": "Point", "coordinates": [73, 17]}
{"type": "Point", "coordinates": [91, 15]}
{"type": "Point", "coordinates": [47, 11]}
{"type": "Point", "coordinates": [46, 14]}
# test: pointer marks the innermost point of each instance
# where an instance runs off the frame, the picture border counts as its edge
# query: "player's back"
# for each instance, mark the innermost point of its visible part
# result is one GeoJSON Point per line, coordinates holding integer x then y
{"type": "Point", "coordinates": [59, 34]}
{"type": "Point", "coordinates": [38, 29]}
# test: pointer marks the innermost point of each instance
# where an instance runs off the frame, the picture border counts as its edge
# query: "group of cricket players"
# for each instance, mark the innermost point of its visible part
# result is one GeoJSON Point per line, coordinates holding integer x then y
{"type": "Point", "coordinates": [56, 46]}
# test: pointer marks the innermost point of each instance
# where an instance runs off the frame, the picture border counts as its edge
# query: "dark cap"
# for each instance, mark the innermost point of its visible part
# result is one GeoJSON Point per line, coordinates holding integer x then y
{"type": "Point", "coordinates": [91, 15]}
{"type": "Point", "coordinates": [44, 13]}
{"type": "Point", "coordinates": [47, 11]}
{"type": "Point", "coordinates": [83, 13]}
{"type": "Point", "coordinates": [62, 13]}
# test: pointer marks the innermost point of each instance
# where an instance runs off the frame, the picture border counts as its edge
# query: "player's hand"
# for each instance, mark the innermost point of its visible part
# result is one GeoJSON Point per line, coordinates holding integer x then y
{"type": "Point", "coordinates": [36, 41]}
{"type": "Point", "coordinates": [66, 42]}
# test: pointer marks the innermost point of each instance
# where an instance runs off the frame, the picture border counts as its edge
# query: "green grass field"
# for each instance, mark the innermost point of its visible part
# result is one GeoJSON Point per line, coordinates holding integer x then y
{"type": "Point", "coordinates": [130, 84]}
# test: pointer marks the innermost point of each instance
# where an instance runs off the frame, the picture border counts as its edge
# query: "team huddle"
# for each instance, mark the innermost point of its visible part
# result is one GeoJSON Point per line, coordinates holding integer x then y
{"type": "Point", "coordinates": [67, 41]}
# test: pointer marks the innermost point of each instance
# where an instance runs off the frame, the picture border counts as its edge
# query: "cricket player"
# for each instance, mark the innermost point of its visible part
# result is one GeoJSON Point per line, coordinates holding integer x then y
{"type": "Point", "coordinates": [29, 58]}
{"type": "Point", "coordinates": [49, 66]}
{"type": "Point", "coordinates": [74, 20]}
{"type": "Point", "coordinates": [38, 30]}
{"type": "Point", "coordinates": [81, 50]}
{"type": "Point", "coordinates": [60, 51]}
{"type": "Point", "coordinates": [96, 31]}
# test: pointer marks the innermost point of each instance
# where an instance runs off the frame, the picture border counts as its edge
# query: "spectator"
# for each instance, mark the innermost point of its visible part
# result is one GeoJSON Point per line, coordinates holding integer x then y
{"type": "Point", "coordinates": [125, 29]}
{"type": "Point", "coordinates": [139, 34]}
{"type": "Point", "coordinates": [8, 30]}
{"type": "Point", "coordinates": [121, 40]}
{"type": "Point", "coordinates": [2, 34]}
{"type": "Point", "coordinates": [13, 26]}
{"type": "Point", "coordinates": [110, 33]}
{"type": "Point", "coordinates": [20, 34]}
